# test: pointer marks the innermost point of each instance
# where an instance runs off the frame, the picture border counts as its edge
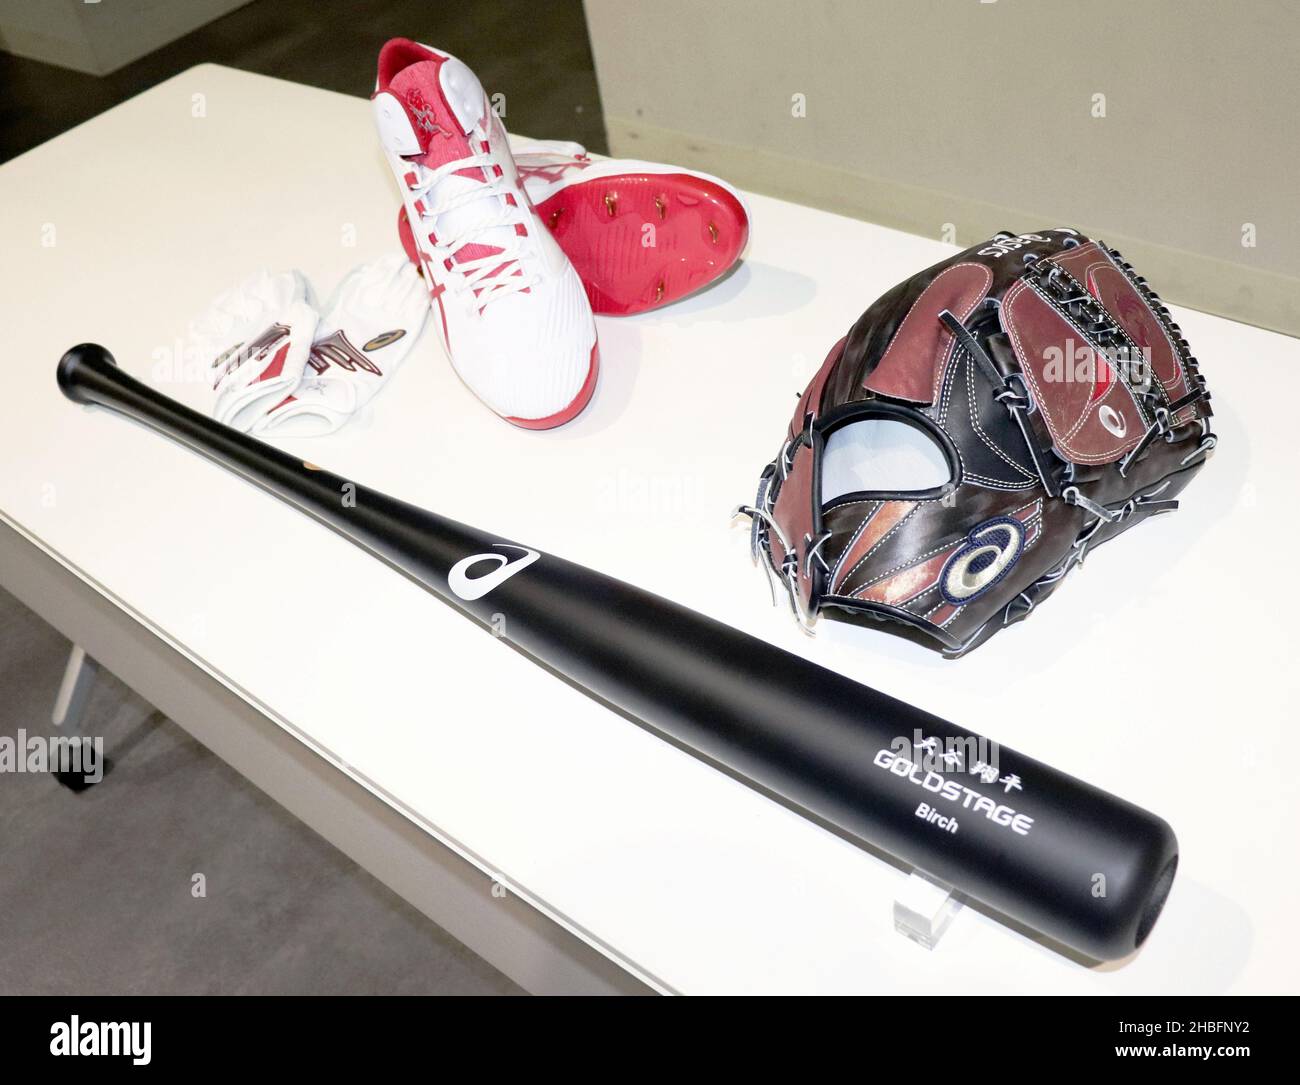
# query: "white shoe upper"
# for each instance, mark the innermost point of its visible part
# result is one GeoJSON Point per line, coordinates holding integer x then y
{"type": "Point", "coordinates": [512, 311]}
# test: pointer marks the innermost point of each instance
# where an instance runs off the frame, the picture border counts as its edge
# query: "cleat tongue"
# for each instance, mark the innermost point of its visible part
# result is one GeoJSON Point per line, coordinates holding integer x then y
{"type": "Point", "coordinates": [441, 101]}
{"type": "Point", "coordinates": [430, 117]}
{"type": "Point", "coordinates": [463, 220]}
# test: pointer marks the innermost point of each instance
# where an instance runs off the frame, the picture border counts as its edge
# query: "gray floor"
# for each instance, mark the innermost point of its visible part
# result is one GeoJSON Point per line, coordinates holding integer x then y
{"type": "Point", "coordinates": [95, 887]}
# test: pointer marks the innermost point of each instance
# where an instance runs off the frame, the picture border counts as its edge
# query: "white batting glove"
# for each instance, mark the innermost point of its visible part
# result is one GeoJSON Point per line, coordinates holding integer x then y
{"type": "Point", "coordinates": [368, 328]}
{"type": "Point", "coordinates": [255, 339]}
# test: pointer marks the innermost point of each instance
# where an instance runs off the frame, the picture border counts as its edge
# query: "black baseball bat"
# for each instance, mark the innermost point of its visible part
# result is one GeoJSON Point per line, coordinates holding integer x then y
{"type": "Point", "coordinates": [1047, 850]}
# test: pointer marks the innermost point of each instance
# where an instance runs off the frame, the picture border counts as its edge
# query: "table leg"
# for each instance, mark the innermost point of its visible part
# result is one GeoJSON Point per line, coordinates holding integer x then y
{"type": "Point", "coordinates": [70, 711]}
{"type": "Point", "coordinates": [74, 692]}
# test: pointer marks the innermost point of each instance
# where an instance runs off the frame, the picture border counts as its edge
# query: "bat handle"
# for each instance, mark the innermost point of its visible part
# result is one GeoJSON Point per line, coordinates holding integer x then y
{"type": "Point", "coordinates": [84, 368]}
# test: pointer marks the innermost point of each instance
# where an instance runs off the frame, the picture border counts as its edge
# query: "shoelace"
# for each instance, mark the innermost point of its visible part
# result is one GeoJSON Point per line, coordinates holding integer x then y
{"type": "Point", "coordinates": [479, 274]}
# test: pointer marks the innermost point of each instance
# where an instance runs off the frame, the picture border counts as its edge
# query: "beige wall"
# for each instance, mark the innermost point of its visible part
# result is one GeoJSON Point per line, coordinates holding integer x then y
{"type": "Point", "coordinates": [926, 112]}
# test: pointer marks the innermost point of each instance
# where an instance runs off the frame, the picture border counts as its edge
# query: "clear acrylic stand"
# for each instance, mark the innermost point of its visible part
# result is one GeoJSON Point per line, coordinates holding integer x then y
{"type": "Point", "coordinates": [924, 908]}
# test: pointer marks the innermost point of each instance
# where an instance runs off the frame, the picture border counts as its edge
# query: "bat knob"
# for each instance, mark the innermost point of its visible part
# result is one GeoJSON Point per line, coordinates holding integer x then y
{"type": "Point", "coordinates": [78, 369]}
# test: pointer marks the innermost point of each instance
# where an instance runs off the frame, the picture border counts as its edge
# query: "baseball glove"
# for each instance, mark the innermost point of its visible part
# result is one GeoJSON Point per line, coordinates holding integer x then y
{"type": "Point", "coordinates": [977, 431]}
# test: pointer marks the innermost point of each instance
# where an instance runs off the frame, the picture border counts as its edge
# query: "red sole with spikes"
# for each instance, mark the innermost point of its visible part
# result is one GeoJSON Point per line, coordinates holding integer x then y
{"type": "Point", "coordinates": [642, 240]}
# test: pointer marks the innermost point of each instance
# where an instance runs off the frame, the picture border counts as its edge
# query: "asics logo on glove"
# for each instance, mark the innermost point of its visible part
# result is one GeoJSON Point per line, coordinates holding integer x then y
{"type": "Point", "coordinates": [1004, 243]}
{"type": "Point", "coordinates": [985, 558]}
{"type": "Point", "coordinates": [1112, 420]}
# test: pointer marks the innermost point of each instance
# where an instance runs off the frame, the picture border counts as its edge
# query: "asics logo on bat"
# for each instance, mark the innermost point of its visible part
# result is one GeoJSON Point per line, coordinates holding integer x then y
{"type": "Point", "coordinates": [469, 588]}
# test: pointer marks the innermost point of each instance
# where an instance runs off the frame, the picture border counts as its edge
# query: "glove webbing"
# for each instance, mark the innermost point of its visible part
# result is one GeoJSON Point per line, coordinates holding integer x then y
{"type": "Point", "coordinates": [1016, 403]}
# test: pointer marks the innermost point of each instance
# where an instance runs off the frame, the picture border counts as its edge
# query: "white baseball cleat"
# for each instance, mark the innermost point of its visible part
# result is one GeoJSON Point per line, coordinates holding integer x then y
{"type": "Point", "coordinates": [253, 342]}
{"type": "Point", "coordinates": [510, 307]}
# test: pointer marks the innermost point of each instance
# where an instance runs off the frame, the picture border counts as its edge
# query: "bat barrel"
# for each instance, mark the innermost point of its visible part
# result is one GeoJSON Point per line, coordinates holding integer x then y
{"type": "Point", "coordinates": [1044, 848]}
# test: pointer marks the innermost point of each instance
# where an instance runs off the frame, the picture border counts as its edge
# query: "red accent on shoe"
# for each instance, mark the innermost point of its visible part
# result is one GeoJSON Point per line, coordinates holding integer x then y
{"type": "Point", "coordinates": [410, 72]}
{"type": "Point", "coordinates": [569, 413]}
{"type": "Point", "coordinates": [407, 238]}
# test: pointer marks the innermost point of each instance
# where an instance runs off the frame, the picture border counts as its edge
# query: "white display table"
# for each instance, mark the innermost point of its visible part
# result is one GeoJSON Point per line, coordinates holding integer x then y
{"type": "Point", "coordinates": [1162, 671]}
